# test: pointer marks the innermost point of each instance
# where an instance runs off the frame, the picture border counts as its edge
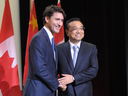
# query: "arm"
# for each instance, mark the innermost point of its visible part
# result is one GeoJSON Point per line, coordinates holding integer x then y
{"type": "Point", "coordinates": [91, 71]}
{"type": "Point", "coordinates": [83, 76]}
{"type": "Point", "coordinates": [38, 61]}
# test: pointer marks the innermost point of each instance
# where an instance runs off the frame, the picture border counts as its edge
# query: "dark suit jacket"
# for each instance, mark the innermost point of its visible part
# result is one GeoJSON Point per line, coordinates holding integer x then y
{"type": "Point", "coordinates": [42, 74]}
{"type": "Point", "coordinates": [85, 70]}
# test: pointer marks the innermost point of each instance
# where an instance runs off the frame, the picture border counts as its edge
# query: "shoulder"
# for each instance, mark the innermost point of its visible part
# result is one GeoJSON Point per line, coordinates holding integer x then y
{"type": "Point", "coordinates": [39, 38]}
{"type": "Point", "coordinates": [87, 44]}
{"type": "Point", "coordinates": [62, 45]}
{"type": "Point", "coordinates": [40, 35]}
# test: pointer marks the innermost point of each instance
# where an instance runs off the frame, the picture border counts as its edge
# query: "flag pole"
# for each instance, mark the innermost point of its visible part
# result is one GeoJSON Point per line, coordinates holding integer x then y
{"type": "Point", "coordinates": [58, 1]}
{"type": "Point", "coordinates": [31, 2]}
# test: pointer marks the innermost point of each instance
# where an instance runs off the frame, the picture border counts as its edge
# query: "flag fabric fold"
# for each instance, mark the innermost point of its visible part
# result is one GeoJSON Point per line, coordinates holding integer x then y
{"type": "Point", "coordinates": [32, 30]}
{"type": "Point", "coordinates": [9, 78]}
{"type": "Point", "coordinates": [59, 37]}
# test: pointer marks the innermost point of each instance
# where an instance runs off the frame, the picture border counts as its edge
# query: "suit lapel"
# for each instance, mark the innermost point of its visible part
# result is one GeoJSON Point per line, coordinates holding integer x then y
{"type": "Point", "coordinates": [56, 57]}
{"type": "Point", "coordinates": [50, 46]}
{"type": "Point", "coordinates": [66, 50]}
{"type": "Point", "coordinates": [47, 38]}
{"type": "Point", "coordinates": [80, 55]}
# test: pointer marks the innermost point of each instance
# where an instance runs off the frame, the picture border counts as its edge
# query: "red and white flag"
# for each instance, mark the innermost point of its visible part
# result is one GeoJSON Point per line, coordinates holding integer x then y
{"type": "Point", "coordinates": [59, 37]}
{"type": "Point", "coordinates": [9, 78]}
{"type": "Point", "coordinates": [32, 30]}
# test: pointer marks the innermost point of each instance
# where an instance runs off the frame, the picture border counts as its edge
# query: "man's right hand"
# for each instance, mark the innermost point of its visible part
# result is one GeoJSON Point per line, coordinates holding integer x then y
{"type": "Point", "coordinates": [63, 87]}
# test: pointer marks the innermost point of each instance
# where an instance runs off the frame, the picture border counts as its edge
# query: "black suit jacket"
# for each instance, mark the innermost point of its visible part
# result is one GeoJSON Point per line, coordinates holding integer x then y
{"type": "Point", "coordinates": [85, 70]}
{"type": "Point", "coordinates": [42, 74]}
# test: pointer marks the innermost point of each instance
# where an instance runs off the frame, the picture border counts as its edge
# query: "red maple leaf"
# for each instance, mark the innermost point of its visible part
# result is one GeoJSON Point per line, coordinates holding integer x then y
{"type": "Point", "coordinates": [9, 83]}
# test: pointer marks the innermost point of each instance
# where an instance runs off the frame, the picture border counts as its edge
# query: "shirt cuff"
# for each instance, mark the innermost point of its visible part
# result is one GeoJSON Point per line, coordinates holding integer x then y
{"type": "Point", "coordinates": [73, 79]}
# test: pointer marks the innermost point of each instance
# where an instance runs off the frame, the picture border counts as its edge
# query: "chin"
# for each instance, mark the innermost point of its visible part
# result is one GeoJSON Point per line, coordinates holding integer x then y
{"type": "Point", "coordinates": [56, 31]}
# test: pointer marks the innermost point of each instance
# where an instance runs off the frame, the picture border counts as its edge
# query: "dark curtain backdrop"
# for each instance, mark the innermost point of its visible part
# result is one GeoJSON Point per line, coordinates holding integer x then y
{"type": "Point", "coordinates": [126, 37]}
{"type": "Point", "coordinates": [104, 21]}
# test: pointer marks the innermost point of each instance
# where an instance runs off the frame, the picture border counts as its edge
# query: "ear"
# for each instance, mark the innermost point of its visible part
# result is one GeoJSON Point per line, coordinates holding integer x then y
{"type": "Point", "coordinates": [46, 19]}
{"type": "Point", "coordinates": [66, 32]}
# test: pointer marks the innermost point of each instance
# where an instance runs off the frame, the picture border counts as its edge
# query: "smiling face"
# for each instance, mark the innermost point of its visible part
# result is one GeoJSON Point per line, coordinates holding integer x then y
{"type": "Point", "coordinates": [75, 31]}
{"type": "Point", "coordinates": [55, 22]}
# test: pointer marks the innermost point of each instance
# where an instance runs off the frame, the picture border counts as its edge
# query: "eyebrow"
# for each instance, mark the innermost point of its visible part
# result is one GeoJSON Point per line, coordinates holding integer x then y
{"type": "Point", "coordinates": [76, 26]}
{"type": "Point", "coordinates": [59, 19]}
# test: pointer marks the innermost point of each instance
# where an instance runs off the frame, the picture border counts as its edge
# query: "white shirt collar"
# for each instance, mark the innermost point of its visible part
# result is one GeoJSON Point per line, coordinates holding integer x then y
{"type": "Point", "coordinates": [71, 44]}
{"type": "Point", "coordinates": [71, 47]}
{"type": "Point", "coordinates": [49, 34]}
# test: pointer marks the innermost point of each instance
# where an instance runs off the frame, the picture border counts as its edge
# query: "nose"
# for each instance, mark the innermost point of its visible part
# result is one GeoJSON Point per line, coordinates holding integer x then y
{"type": "Point", "coordinates": [79, 30]}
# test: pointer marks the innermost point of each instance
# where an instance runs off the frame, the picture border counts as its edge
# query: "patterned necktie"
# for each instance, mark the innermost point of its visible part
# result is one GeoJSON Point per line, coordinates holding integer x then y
{"type": "Point", "coordinates": [75, 54]}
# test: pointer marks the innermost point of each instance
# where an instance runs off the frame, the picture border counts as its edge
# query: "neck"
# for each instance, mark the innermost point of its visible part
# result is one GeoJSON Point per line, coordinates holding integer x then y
{"type": "Point", "coordinates": [74, 42]}
{"type": "Point", "coordinates": [49, 29]}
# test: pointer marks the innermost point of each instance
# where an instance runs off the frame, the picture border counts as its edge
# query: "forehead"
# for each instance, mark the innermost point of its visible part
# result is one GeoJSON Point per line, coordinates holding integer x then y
{"type": "Point", "coordinates": [75, 24]}
{"type": "Point", "coordinates": [58, 15]}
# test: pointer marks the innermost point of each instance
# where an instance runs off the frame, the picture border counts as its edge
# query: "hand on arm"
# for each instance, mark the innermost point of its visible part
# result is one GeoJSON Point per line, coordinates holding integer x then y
{"type": "Point", "coordinates": [67, 79]}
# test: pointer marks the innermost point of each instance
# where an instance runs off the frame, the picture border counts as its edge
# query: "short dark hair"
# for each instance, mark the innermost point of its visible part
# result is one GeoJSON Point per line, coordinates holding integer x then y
{"type": "Point", "coordinates": [71, 20]}
{"type": "Point", "coordinates": [50, 10]}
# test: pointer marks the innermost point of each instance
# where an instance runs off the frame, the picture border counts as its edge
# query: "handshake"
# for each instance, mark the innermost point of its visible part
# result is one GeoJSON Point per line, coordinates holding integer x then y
{"type": "Point", "coordinates": [66, 79]}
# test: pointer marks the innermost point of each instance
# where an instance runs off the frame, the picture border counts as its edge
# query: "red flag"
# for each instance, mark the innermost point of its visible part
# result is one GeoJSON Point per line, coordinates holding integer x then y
{"type": "Point", "coordinates": [33, 29]}
{"type": "Point", "coordinates": [59, 37]}
{"type": "Point", "coordinates": [9, 79]}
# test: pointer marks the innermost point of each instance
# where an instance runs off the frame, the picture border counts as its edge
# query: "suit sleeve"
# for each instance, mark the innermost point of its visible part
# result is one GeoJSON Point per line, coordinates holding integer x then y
{"type": "Point", "coordinates": [91, 72]}
{"type": "Point", "coordinates": [38, 58]}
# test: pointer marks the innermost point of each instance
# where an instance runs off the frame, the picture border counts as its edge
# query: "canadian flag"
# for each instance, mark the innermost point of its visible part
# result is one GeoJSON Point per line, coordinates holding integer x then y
{"type": "Point", "coordinates": [59, 37]}
{"type": "Point", "coordinates": [9, 78]}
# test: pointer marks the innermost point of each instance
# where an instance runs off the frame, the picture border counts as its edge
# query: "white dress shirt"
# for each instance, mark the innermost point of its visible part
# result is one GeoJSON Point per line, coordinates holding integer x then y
{"type": "Point", "coordinates": [50, 38]}
{"type": "Point", "coordinates": [71, 48]}
{"type": "Point", "coordinates": [49, 34]}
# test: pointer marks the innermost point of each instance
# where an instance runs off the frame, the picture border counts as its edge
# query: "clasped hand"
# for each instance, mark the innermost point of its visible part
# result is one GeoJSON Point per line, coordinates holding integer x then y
{"type": "Point", "coordinates": [67, 79]}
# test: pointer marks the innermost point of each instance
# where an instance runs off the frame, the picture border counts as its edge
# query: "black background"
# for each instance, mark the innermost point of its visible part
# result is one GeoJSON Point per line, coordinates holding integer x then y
{"type": "Point", "coordinates": [105, 23]}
